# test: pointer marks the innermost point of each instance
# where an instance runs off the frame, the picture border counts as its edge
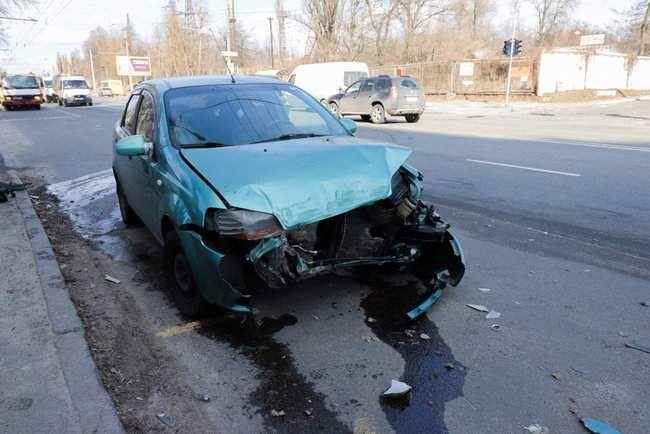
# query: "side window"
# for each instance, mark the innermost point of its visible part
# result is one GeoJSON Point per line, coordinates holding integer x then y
{"type": "Point", "coordinates": [146, 117]}
{"type": "Point", "coordinates": [383, 84]}
{"type": "Point", "coordinates": [354, 88]}
{"type": "Point", "coordinates": [408, 83]}
{"type": "Point", "coordinates": [368, 85]}
{"type": "Point", "coordinates": [130, 113]}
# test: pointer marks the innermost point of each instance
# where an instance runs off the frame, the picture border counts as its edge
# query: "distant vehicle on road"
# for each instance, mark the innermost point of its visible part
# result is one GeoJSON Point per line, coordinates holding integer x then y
{"type": "Point", "coordinates": [324, 79]}
{"type": "Point", "coordinates": [111, 88]}
{"type": "Point", "coordinates": [21, 91]}
{"type": "Point", "coordinates": [48, 90]}
{"type": "Point", "coordinates": [254, 184]}
{"type": "Point", "coordinates": [72, 90]}
{"type": "Point", "coordinates": [376, 97]}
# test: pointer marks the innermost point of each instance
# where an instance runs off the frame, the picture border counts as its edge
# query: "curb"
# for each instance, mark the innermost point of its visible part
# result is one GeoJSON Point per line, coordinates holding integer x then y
{"type": "Point", "coordinates": [95, 410]}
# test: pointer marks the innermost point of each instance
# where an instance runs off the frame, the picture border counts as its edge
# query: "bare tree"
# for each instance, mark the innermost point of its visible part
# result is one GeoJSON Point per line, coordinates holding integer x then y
{"type": "Point", "coordinates": [323, 20]}
{"type": "Point", "coordinates": [380, 17]}
{"type": "Point", "coordinates": [6, 8]}
{"type": "Point", "coordinates": [550, 15]}
{"type": "Point", "coordinates": [643, 28]}
{"type": "Point", "coordinates": [414, 16]}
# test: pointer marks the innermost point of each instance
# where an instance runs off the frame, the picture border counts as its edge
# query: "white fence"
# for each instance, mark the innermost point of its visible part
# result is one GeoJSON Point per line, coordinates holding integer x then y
{"type": "Point", "coordinates": [569, 69]}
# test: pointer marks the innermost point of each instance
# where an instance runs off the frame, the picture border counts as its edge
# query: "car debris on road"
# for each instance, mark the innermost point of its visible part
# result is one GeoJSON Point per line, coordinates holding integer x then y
{"type": "Point", "coordinates": [397, 388]}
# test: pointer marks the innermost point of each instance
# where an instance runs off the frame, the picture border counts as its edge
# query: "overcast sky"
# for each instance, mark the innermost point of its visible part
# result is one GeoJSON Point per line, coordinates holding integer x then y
{"type": "Point", "coordinates": [64, 24]}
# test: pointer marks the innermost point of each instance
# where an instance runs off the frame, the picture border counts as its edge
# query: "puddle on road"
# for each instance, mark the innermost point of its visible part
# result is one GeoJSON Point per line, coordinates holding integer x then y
{"type": "Point", "coordinates": [281, 386]}
{"type": "Point", "coordinates": [430, 367]}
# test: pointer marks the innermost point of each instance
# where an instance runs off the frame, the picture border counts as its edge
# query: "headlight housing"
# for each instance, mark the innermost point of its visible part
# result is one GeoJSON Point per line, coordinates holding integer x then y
{"type": "Point", "coordinates": [242, 224]}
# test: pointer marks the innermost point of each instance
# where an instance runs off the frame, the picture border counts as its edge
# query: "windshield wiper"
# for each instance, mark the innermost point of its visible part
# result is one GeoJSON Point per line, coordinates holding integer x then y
{"type": "Point", "coordinates": [203, 145]}
{"type": "Point", "coordinates": [290, 137]}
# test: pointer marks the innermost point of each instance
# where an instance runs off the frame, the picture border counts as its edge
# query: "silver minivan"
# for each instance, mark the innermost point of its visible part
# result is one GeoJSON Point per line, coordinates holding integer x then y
{"type": "Point", "coordinates": [374, 98]}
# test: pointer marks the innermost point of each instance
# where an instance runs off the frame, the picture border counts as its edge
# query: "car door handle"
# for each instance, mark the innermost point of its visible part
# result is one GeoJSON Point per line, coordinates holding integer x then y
{"type": "Point", "coordinates": [158, 182]}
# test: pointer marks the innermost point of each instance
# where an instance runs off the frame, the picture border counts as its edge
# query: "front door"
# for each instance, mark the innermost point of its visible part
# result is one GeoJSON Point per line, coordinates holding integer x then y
{"type": "Point", "coordinates": [365, 95]}
{"type": "Point", "coordinates": [348, 101]}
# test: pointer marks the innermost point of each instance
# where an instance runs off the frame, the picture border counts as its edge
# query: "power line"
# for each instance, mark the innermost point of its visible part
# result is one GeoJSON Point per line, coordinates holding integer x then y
{"type": "Point", "coordinates": [18, 19]}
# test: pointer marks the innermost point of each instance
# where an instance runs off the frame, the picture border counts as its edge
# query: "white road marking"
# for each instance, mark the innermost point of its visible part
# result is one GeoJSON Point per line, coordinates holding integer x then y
{"type": "Point", "coordinates": [34, 119]}
{"type": "Point", "coordinates": [533, 169]}
{"type": "Point", "coordinates": [599, 145]}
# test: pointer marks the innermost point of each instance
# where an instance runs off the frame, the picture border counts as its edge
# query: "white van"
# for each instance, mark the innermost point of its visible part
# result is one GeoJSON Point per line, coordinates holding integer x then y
{"type": "Point", "coordinates": [323, 80]}
{"type": "Point", "coordinates": [72, 90]}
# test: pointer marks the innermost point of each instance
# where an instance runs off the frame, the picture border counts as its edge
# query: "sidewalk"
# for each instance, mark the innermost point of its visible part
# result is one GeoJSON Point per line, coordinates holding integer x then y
{"type": "Point", "coordinates": [48, 380]}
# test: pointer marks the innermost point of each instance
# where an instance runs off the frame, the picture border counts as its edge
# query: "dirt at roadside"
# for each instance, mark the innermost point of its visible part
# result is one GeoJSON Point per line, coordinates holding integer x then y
{"type": "Point", "coordinates": [138, 374]}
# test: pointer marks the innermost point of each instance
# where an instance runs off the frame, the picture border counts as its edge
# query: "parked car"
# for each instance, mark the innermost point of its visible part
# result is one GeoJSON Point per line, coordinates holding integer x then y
{"type": "Point", "coordinates": [21, 91]}
{"type": "Point", "coordinates": [255, 184]}
{"type": "Point", "coordinates": [105, 91]}
{"type": "Point", "coordinates": [115, 87]}
{"type": "Point", "coordinates": [72, 90]}
{"type": "Point", "coordinates": [48, 91]}
{"type": "Point", "coordinates": [376, 97]}
{"type": "Point", "coordinates": [324, 79]}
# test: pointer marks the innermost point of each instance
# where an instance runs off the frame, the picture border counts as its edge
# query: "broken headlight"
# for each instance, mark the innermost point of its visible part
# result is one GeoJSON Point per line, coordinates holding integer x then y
{"type": "Point", "coordinates": [242, 224]}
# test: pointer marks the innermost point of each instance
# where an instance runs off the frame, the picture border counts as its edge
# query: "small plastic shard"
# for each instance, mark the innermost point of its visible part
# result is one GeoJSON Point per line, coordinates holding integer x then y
{"type": "Point", "coordinates": [166, 419]}
{"type": "Point", "coordinates": [112, 279]}
{"type": "Point", "coordinates": [449, 366]}
{"type": "Point", "coordinates": [478, 307]}
{"type": "Point", "coordinates": [308, 412]}
{"type": "Point", "coordinates": [425, 336]}
{"type": "Point", "coordinates": [371, 320]}
{"type": "Point", "coordinates": [495, 327]}
{"type": "Point", "coordinates": [202, 397]}
{"type": "Point", "coordinates": [598, 427]}
{"type": "Point", "coordinates": [484, 289]}
{"type": "Point", "coordinates": [277, 413]}
{"type": "Point", "coordinates": [493, 314]}
{"type": "Point", "coordinates": [556, 376]}
{"type": "Point", "coordinates": [397, 388]}
{"type": "Point", "coordinates": [537, 429]}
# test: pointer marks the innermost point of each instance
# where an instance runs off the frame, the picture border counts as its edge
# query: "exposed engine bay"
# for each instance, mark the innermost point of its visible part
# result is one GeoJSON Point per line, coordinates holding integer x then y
{"type": "Point", "coordinates": [400, 231]}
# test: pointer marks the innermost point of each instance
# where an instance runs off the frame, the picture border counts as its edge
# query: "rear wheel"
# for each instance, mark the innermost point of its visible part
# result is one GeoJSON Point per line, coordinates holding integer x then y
{"type": "Point", "coordinates": [334, 108]}
{"type": "Point", "coordinates": [365, 118]}
{"type": "Point", "coordinates": [184, 291]}
{"type": "Point", "coordinates": [378, 114]}
{"type": "Point", "coordinates": [412, 118]}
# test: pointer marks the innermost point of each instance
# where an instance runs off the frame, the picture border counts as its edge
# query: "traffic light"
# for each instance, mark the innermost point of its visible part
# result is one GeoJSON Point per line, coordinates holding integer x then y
{"type": "Point", "coordinates": [507, 46]}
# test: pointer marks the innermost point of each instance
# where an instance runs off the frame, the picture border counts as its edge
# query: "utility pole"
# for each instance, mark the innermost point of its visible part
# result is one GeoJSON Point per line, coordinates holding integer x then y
{"type": "Point", "coordinates": [92, 68]}
{"type": "Point", "coordinates": [127, 34]}
{"type": "Point", "coordinates": [230, 41]}
{"type": "Point", "coordinates": [271, 40]}
{"type": "Point", "coordinates": [281, 15]}
{"type": "Point", "coordinates": [515, 19]}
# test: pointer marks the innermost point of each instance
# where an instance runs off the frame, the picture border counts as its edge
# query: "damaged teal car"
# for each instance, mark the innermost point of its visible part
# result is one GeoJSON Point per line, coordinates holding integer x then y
{"type": "Point", "coordinates": [250, 183]}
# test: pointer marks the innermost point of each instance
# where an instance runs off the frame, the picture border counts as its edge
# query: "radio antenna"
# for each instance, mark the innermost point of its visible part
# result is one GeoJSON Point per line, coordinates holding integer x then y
{"type": "Point", "coordinates": [232, 77]}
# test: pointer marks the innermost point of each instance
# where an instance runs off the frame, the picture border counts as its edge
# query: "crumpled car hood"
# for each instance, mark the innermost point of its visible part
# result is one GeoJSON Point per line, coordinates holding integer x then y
{"type": "Point", "coordinates": [300, 181]}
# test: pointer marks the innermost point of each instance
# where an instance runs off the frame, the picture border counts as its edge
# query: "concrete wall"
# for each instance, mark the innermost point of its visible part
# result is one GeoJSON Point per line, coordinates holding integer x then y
{"type": "Point", "coordinates": [570, 69]}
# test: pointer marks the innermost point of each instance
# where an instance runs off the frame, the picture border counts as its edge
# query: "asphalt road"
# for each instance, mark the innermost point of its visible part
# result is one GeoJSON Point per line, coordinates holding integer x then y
{"type": "Point", "coordinates": [552, 204]}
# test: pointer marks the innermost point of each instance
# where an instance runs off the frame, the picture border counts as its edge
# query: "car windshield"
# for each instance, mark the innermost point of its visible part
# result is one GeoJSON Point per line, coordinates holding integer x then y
{"type": "Point", "coordinates": [48, 83]}
{"type": "Point", "coordinates": [75, 84]}
{"type": "Point", "coordinates": [231, 115]}
{"type": "Point", "coordinates": [21, 82]}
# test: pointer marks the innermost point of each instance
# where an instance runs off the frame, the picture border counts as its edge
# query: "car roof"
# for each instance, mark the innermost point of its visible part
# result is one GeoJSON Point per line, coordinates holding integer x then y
{"type": "Point", "coordinates": [164, 84]}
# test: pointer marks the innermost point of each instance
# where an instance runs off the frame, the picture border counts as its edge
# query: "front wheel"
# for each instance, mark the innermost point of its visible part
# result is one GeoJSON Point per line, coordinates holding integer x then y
{"type": "Point", "coordinates": [378, 114]}
{"type": "Point", "coordinates": [183, 288]}
{"type": "Point", "coordinates": [412, 118]}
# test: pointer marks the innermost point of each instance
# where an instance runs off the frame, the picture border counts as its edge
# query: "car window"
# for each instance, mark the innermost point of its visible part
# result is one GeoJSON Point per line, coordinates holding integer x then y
{"type": "Point", "coordinates": [146, 117]}
{"type": "Point", "coordinates": [130, 113]}
{"type": "Point", "coordinates": [232, 115]}
{"type": "Point", "coordinates": [383, 83]}
{"type": "Point", "coordinates": [408, 83]}
{"type": "Point", "coordinates": [368, 85]}
{"type": "Point", "coordinates": [354, 88]}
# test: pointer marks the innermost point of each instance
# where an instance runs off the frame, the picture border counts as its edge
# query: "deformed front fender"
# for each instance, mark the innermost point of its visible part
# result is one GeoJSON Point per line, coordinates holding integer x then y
{"type": "Point", "coordinates": [206, 264]}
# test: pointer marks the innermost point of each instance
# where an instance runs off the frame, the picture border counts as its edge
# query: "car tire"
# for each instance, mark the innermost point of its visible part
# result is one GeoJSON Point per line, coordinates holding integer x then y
{"type": "Point", "coordinates": [365, 118]}
{"type": "Point", "coordinates": [129, 217]}
{"type": "Point", "coordinates": [412, 118]}
{"type": "Point", "coordinates": [184, 291]}
{"type": "Point", "coordinates": [334, 108]}
{"type": "Point", "coordinates": [58, 100]}
{"type": "Point", "coordinates": [378, 114]}
{"type": "Point", "coordinates": [65, 103]}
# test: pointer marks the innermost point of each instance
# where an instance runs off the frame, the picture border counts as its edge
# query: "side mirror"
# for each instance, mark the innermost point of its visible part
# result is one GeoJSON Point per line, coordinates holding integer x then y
{"type": "Point", "coordinates": [349, 125]}
{"type": "Point", "coordinates": [133, 146]}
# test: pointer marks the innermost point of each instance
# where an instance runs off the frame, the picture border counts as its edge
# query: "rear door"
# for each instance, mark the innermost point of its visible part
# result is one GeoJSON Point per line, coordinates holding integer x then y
{"type": "Point", "coordinates": [410, 94]}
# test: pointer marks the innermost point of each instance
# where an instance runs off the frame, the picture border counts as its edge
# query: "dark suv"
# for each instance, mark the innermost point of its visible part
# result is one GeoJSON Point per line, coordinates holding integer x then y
{"type": "Point", "coordinates": [376, 97]}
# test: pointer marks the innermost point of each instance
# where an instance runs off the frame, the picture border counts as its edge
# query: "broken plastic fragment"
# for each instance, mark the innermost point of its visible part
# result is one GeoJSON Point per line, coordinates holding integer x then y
{"type": "Point", "coordinates": [276, 413]}
{"type": "Point", "coordinates": [112, 279]}
{"type": "Point", "coordinates": [397, 388]}
{"type": "Point", "coordinates": [478, 307]}
{"type": "Point", "coordinates": [495, 327]}
{"type": "Point", "coordinates": [536, 429]}
{"type": "Point", "coordinates": [371, 320]}
{"type": "Point", "coordinates": [425, 336]}
{"type": "Point", "coordinates": [598, 427]}
{"type": "Point", "coordinates": [168, 420]}
{"type": "Point", "coordinates": [556, 376]}
{"type": "Point", "coordinates": [493, 314]}
{"type": "Point", "coordinates": [484, 289]}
